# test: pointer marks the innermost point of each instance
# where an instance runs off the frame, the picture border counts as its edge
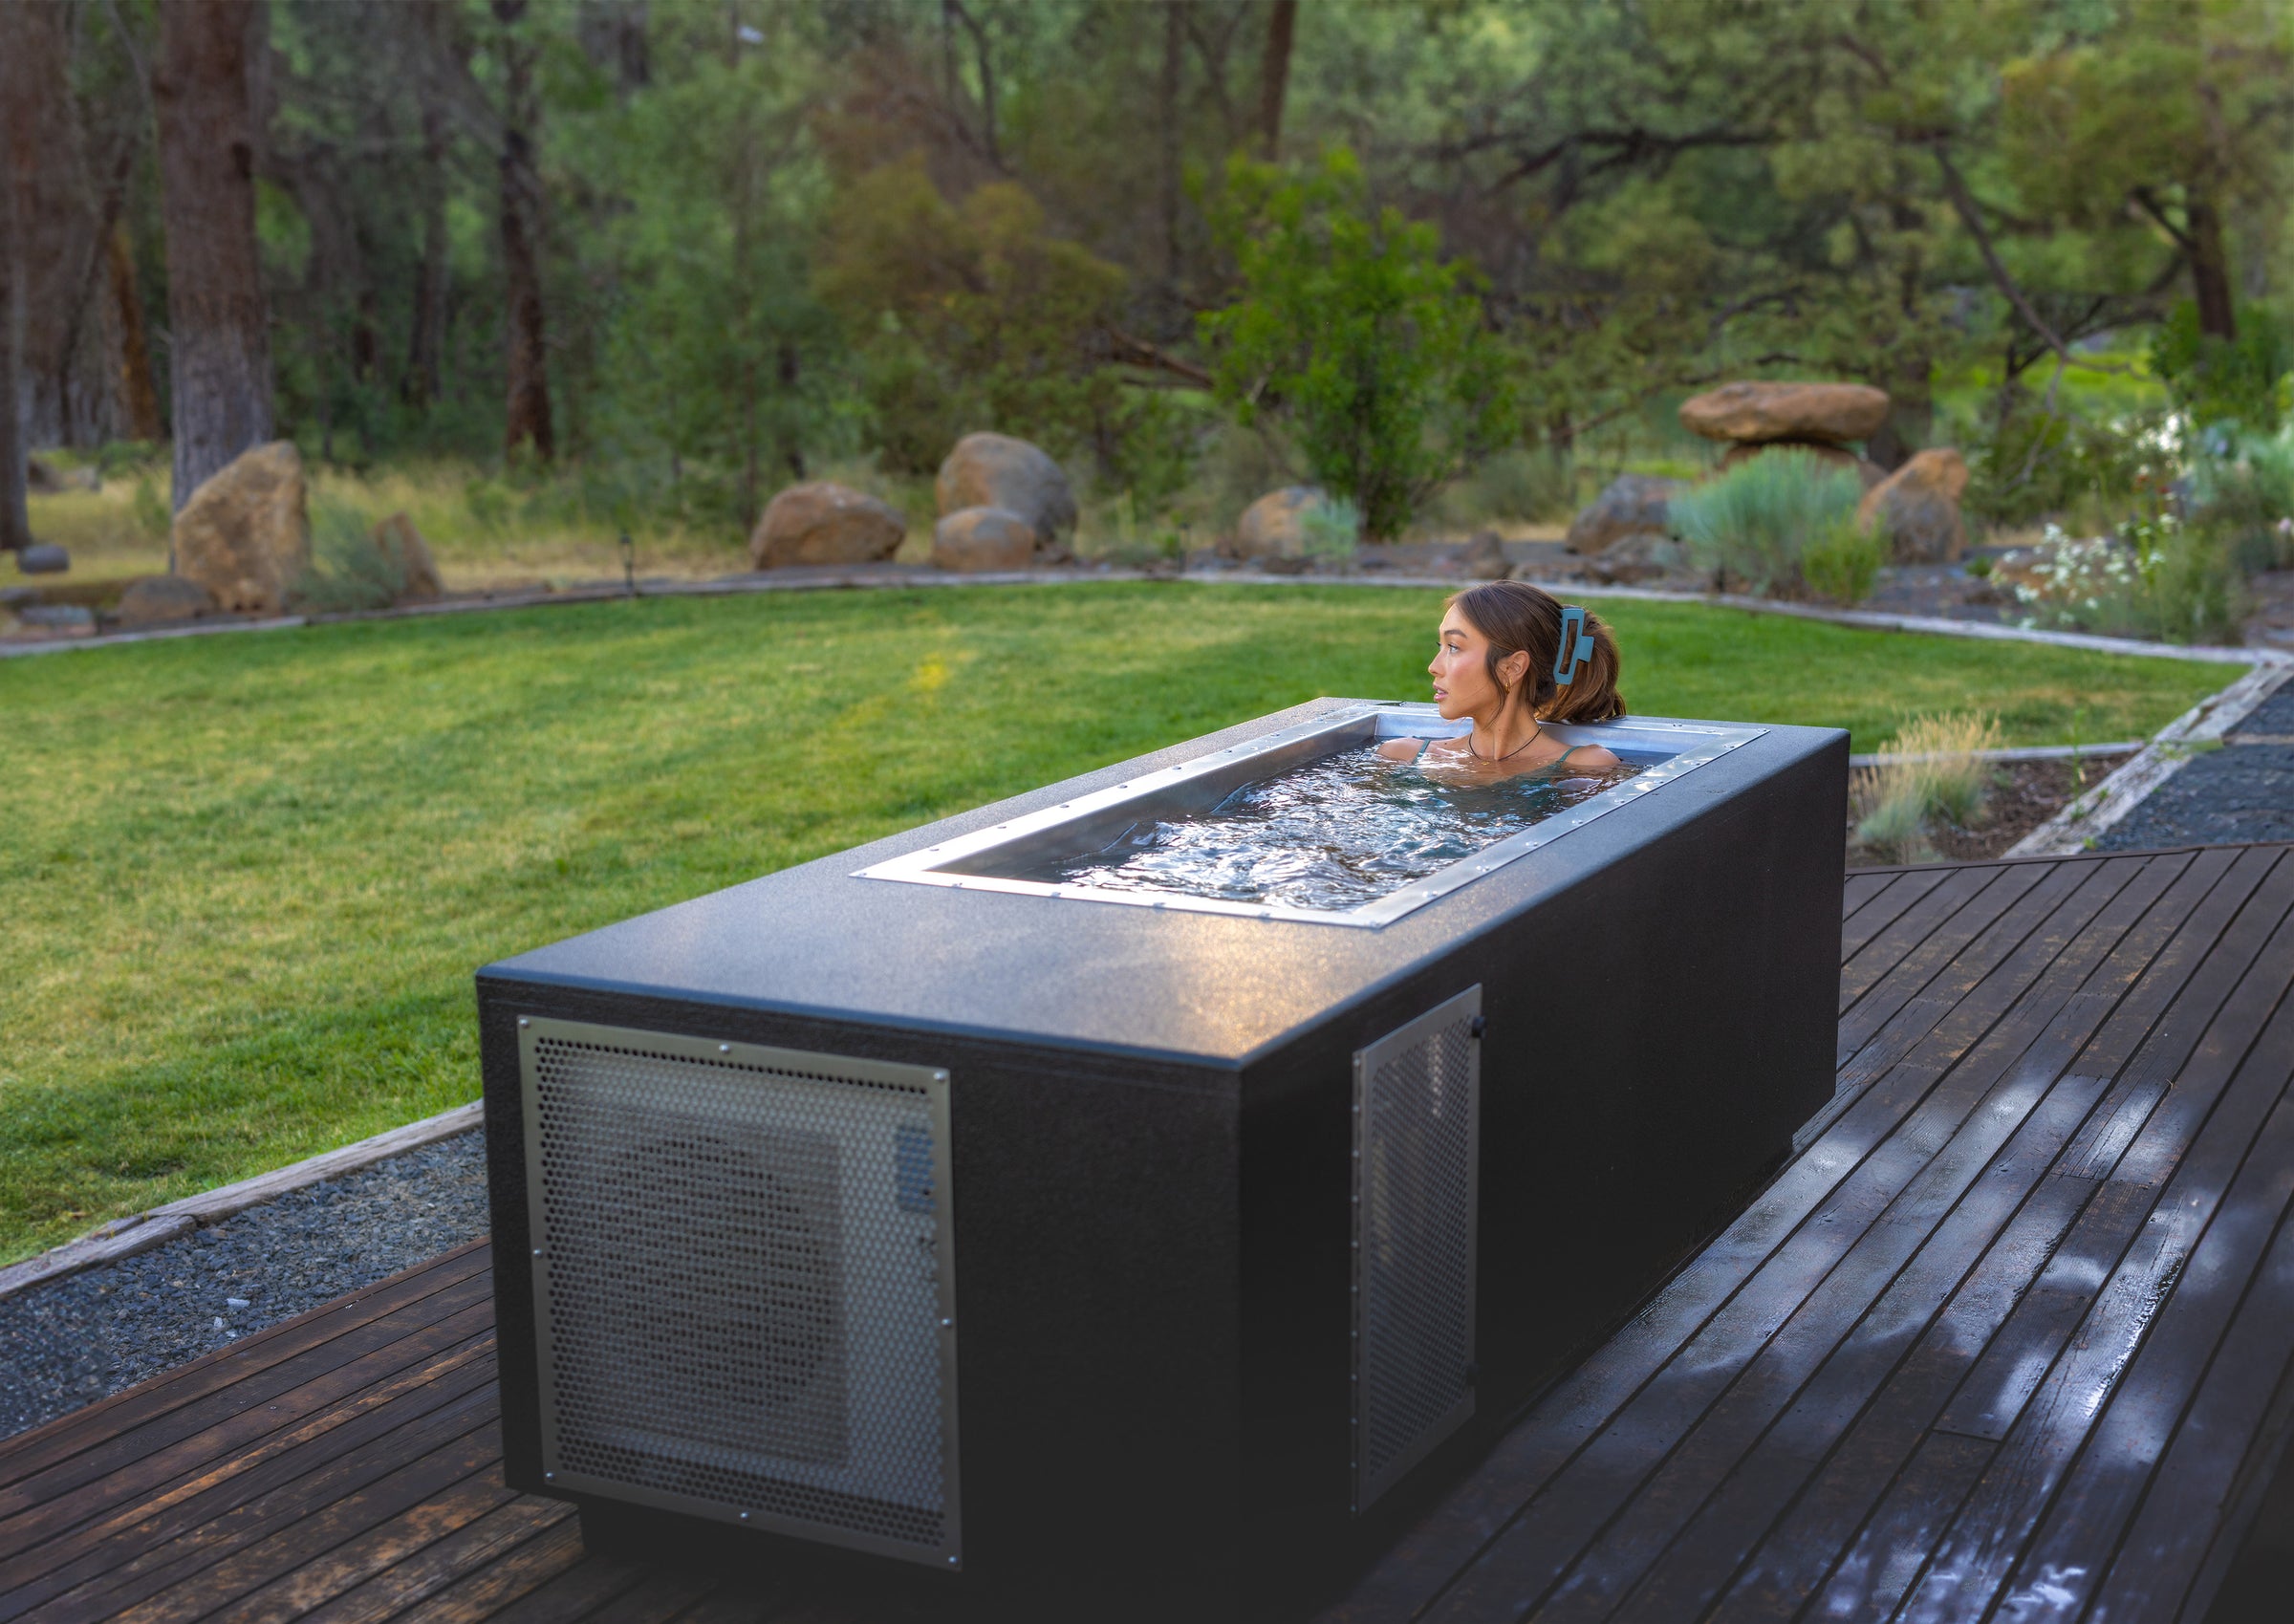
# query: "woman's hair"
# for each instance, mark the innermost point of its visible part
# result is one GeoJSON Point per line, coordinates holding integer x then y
{"type": "Point", "coordinates": [1517, 618]}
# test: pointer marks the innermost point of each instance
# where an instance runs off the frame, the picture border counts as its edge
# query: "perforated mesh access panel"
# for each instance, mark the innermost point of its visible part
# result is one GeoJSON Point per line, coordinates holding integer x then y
{"type": "Point", "coordinates": [1416, 1114]}
{"type": "Point", "coordinates": [743, 1282]}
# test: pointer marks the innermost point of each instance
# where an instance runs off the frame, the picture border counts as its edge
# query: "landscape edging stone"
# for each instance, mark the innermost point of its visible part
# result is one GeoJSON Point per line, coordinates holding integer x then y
{"type": "Point", "coordinates": [139, 1232]}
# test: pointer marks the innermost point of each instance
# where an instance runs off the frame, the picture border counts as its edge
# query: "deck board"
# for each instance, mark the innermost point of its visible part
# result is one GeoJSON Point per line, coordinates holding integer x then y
{"type": "Point", "coordinates": [2012, 1336]}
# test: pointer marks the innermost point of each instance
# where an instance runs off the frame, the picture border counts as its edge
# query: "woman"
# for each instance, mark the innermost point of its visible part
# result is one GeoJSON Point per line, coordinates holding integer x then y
{"type": "Point", "coordinates": [1513, 659]}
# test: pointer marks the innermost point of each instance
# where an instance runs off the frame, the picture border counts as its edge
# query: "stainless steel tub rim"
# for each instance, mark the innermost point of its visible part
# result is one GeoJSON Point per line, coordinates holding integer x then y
{"type": "Point", "coordinates": [1665, 749]}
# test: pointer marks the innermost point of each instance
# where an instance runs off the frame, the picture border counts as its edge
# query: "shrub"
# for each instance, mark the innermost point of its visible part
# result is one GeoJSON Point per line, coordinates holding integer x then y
{"type": "Point", "coordinates": [2241, 487]}
{"type": "Point", "coordinates": [1517, 483]}
{"type": "Point", "coordinates": [1333, 529]}
{"type": "Point", "coordinates": [1759, 520]}
{"type": "Point", "coordinates": [347, 571]}
{"type": "Point", "coordinates": [1842, 563]}
{"type": "Point", "coordinates": [2158, 577]}
{"type": "Point", "coordinates": [2036, 462]}
{"type": "Point", "coordinates": [2240, 380]}
{"type": "Point", "coordinates": [1936, 775]}
{"type": "Point", "coordinates": [1352, 323]}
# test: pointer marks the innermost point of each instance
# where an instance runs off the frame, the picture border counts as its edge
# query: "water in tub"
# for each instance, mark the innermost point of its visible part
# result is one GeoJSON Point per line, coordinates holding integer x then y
{"type": "Point", "coordinates": [1333, 833]}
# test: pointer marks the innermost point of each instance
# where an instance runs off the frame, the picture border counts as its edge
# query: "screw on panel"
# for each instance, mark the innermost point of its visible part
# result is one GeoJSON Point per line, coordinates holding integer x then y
{"type": "Point", "coordinates": [745, 1516]}
{"type": "Point", "coordinates": [548, 1477]}
{"type": "Point", "coordinates": [1479, 1025]}
{"type": "Point", "coordinates": [948, 1325]}
{"type": "Point", "coordinates": [724, 1049]}
{"type": "Point", "coordinates": [537, 1251]}
{"type": "Point", "coordinates": [524, 1022]}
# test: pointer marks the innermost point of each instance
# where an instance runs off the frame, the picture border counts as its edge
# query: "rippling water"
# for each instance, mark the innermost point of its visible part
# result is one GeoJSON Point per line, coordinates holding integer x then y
{"type": "Point", "coordinates": [1333, 833]}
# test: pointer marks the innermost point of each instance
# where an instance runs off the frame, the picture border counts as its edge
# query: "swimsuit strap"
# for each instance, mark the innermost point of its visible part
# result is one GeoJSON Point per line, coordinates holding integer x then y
{"type": "Point", "coordinates": [1423, 746]}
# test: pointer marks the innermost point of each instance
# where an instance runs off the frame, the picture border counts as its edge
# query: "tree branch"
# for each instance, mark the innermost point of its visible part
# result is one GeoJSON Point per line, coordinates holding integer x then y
{"type": "Point", "coordinates": [1966, 205]}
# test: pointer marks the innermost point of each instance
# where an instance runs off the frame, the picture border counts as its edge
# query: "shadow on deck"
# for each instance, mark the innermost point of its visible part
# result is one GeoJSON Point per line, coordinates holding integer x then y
{"type": "Point", "coordinates": [2009, 1337]}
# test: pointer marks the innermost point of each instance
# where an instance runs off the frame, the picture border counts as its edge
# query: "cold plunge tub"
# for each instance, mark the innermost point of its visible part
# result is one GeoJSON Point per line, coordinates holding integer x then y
{"type": "Point", "coordinates": [1139, 1249]}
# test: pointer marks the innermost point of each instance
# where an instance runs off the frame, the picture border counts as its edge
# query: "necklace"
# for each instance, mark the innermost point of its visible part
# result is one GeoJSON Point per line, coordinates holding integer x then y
{"type": "Point", "coordinates": [1537, 733]}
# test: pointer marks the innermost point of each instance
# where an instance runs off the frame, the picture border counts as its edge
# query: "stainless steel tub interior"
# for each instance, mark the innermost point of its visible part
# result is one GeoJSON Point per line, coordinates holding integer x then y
{"type": "Point", "coordinates": [1664, 748]}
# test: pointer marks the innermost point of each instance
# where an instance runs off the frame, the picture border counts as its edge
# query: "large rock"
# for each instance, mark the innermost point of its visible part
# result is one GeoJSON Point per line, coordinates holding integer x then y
{"type": "Point", "coordinates": [408, 554]}
{"type": "Point", "coordinates": [1274, 527]}
{"type": "Point", "coordinates": [245, 534]}
{"type": "Point", "coordinates": [1749, 413]}
{"type": "Point", "coordinates": [1640, 556]}
{"type": "Point", "coordinates": [1920, 505]}
{"type": "Point", "coordinates": [155, 600]}
{"type": "Point", "coordinates": [825, 523]}
{"type": "Point", "coordinates": [1484, 557]}
{"type": "Point", "coordinates": [1633, 504]}
{"type": "Point", "coordinates": [983, 538]}
{"type": "Point", "coordinates": [994, 470]}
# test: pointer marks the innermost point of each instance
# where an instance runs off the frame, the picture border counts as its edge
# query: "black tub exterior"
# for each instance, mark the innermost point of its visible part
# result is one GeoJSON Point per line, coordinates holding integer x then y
{"type": "Point", "coordinates": [1151, 1130]}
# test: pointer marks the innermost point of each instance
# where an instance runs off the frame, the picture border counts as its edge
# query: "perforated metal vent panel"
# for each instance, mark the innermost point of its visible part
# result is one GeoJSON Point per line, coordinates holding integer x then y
{"type": "Point", "coordinates": [1417, 1098]}
{"type": "Point", "coordinates": [743, 1283]}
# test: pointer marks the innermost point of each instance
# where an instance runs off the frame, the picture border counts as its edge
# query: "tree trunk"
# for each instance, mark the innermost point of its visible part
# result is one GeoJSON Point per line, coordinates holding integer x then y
{"type": "Point", "coordinates": [2210, 269]}
{"type": "Point", "coordinates": [218, 326]}
{"type": "Point", "coordinates": [68, 388]}
{"type": "Point", "coordinates": [526, 354]}
{"type": "Point", "coordinates": [137, 393]}
{"type": "Point", "coordinates": [425, 344]}
{"type": "Point", "coordinates": [16, 524]}
{"type": "Point", "coordinates": [1173, 59]}
{"type": "Point", "coordinates": [1274, 76]}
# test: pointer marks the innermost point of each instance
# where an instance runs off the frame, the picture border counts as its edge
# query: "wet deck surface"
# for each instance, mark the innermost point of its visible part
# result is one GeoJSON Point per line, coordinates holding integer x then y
{"type": "Point", "coordinates": [2010, 1338]}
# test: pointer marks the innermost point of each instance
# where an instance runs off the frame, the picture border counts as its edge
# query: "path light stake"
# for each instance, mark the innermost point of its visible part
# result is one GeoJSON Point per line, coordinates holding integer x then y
{"type": "Point", "coordinates": [629, 564]}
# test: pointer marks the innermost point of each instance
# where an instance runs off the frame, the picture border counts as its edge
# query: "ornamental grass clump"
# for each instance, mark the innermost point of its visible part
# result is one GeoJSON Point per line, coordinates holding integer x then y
{"type": "Point", "coordinates": [1783, 524]}
{"type": "Point", "coordinates": [1935, 776]}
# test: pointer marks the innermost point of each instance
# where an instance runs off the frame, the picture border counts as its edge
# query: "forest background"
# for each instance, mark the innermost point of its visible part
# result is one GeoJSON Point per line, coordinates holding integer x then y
{"type": "Point", "coordinates": [635, 264]}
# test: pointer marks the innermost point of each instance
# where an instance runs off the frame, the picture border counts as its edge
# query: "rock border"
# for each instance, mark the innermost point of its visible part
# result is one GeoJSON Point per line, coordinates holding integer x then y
{"type": "Point", "coordinates": [2073, 829]}
{"type": "Point", "coordinates": [2015, 752]}
{"type": "Point", "coordinates": [139, 1232]}
{"type": "Point", "coordinates": [895, 578]}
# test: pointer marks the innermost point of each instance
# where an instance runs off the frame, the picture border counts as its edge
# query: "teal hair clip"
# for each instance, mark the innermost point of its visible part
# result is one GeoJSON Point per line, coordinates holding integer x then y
{"type": "Point", "coordinates": [1576, 646]}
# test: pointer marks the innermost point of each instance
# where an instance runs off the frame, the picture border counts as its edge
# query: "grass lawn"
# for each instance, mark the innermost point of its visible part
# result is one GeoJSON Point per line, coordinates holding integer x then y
{"type": "Point", "coordinates": [246, 878]}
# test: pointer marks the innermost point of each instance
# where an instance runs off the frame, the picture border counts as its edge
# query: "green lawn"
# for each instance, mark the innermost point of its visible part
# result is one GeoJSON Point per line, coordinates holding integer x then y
{"type": "Point", "coordinates": [245, 878]}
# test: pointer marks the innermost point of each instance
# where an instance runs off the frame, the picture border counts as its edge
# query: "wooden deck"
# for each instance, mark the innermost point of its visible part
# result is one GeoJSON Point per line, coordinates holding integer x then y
{"type": "Point", "coordinates": [2010, 1338]}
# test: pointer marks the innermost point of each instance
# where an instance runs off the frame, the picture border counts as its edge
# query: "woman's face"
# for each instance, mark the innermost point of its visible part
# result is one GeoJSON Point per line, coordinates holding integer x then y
{"type": "Point", "coordinates": [1461, 670]}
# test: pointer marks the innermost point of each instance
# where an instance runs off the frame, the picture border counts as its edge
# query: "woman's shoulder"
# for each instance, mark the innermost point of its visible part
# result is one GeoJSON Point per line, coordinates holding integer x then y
{"type": "Point", "coordinates": [1589, 755]}
{"type": "Point", "coordinates": [1402, 749]}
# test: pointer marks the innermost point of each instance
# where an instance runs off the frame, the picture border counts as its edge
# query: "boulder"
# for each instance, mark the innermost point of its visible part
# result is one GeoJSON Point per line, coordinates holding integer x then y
{"type": "Point", "coordinates": [1920, 505]}
{"type": "Point", "coordinates": [994, 470]}
{"type": "Point", "coordinates": [408, 554]}
{"type": "Point", "coordinates": [1274, 525]}
{"type": "Point", "coordinates": [43, 558]}
{"type": "Point", "coordinates": [1640, 556]}
{"type": "Point", "coordinates": [1633, 503]}
{"type": "Point", "coordinates": [1867, 471]}
{"type": "Point", "coordinates": [245, 534]}
{"type": "Point", "coordinates": [1484, 557]}
{"type": "Point", "coordinates": [821, 522]}
{"type": "Point", "coordinates": [1751, 413]}
{"type": "Point", "coordinates": [983, 538]}
{"type": "Point", "coordinates": [155, 601]}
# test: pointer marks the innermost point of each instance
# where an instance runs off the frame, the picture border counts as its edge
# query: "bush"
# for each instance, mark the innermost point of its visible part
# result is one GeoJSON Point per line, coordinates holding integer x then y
{"type": "Point", "coordinates": [2159, 577]}
{"type": "Point", "coordinates": [1759, 521]}
{"type": "Point", "coordinates": [2241, 487]}
{"type": "Point", "coordinates": [1516, 485]}
{"type": "Point", "coordinates": [2240, 381]}
{"type": "Point", "coordinates": [1936, 774]}
{"type": "Point", "coordinates": [348, 571]}
{"type": "Point", "coordinates": [1353, 324]}
{"type": "Point", "coordinates": [2035, 461]}
{"type": "Point", "coordinates": [1842, 564]}
{"type": "Point", "coordinates": [1333, 529]}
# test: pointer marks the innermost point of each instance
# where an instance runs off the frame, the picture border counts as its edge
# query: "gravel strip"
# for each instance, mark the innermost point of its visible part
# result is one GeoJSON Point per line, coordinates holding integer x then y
{"type": "Point", "coordinates": [2243, 791]}
{"type": "Point", "coordinates": [75, 1340]}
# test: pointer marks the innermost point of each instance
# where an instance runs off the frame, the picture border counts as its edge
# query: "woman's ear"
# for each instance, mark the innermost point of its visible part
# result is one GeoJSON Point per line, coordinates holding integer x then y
{"type": "Point", "coordinates": [1515, 667]}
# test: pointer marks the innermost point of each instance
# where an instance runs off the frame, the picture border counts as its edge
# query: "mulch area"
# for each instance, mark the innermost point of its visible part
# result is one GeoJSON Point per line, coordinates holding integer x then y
{"type": "Point", "coordinates": [2024, 795]}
